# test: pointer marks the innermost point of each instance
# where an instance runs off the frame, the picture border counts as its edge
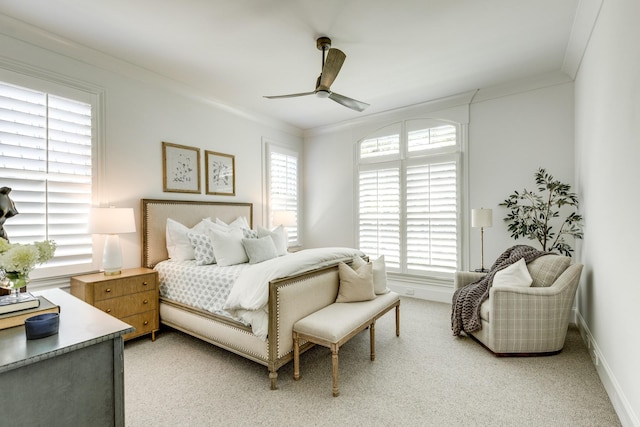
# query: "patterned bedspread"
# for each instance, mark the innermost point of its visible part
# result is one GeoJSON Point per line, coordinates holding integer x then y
{"type": "Point", "coordinates": [201, 286]}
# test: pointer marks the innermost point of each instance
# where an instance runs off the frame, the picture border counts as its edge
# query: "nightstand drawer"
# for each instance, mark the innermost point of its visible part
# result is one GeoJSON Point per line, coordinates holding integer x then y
{"type": "Point", "coordinates": [141, 283]}
{"type": "Point", "coordinates": [106, 290]}
{"type": "Point", "coordinates": [129, 304]}
{"type": "Point", "coordinates": [144, 323]}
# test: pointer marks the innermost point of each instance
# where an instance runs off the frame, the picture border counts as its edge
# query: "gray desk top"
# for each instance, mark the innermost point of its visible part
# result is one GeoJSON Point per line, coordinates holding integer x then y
{"type": "Point", "coordinates": [81, 325]}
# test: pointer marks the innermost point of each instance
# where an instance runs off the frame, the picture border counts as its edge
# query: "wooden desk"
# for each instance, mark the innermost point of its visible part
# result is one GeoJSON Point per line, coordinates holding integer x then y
{"type": "Point", "coordinates": [75, 377]}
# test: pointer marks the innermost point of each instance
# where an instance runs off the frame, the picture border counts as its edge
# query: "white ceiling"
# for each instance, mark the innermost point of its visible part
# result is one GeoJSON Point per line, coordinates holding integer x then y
{"type": "Point", "coordinates": [399, 53]}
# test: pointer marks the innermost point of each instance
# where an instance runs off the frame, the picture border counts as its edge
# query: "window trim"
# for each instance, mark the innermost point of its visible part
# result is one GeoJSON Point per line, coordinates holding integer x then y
{"type": "Point", "coordinates": [56, 84]}
{"type": "Point", "coordinates": [269, 146]}
{"type": "Point", "coordinates": [405, 158]}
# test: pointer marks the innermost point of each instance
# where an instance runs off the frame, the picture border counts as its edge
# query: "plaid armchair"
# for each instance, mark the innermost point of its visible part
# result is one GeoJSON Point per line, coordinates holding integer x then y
{"type": "Point", "coordinates": [529, 320]}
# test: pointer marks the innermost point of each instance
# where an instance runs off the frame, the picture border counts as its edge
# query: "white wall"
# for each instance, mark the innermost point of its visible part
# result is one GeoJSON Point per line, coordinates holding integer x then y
{"type": "Point", "coordinates": [142, 110]}
{"type": "Point", "coordinates": [510, 137]}
{"type": "Point", "coordinates": [512, 132]}
{"type": "Point", "coordinates": [607, 104]}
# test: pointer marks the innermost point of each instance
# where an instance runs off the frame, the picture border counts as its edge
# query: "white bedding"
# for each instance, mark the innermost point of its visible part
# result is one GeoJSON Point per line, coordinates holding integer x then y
{"type": "Point", "coordinates": [205, 287]}
{"type": "Point", "coordinates": [250, 293]}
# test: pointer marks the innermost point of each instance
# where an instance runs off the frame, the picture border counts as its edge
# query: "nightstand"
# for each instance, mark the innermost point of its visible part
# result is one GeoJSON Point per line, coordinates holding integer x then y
{"type": "Point", "coordinates": [131, 296]}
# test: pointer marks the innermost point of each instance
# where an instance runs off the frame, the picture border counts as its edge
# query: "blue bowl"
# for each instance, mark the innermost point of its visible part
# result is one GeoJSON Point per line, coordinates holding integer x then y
{"type": "Point", "coordinates": [42, 325]}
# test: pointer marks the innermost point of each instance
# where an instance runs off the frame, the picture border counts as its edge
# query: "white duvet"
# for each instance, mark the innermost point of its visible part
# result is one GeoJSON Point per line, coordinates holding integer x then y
{"type": "Point", "coordinates": [250, 293]}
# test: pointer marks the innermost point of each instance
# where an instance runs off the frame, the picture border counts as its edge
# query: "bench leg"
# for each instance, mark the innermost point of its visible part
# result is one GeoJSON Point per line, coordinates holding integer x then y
{"type": "Point", "coordinates": [296, 356]}
{"type": "Point", "coordinates": [372, 338]}
{"type": "Point", "coordinates": [334, 369]}
{"type": "Point", "coordinates": [398, 320]}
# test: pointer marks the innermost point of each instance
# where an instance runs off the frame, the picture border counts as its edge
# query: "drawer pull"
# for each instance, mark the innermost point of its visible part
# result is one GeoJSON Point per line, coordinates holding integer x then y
{"type": "Point", "coordinates": [146, 322]}
{"type": "Point", "coordinates": [108, 310]}
{"type": "Point", "coordinates": [144, 283]}
{"type": "Point", "coordinates": [108, 290]}
{"type": "Point", "coordinates": [145, 301]}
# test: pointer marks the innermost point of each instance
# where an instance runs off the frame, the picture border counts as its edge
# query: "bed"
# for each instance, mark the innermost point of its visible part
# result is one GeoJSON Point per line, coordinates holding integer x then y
{"type": "Point", "coordinates": [289, 298]}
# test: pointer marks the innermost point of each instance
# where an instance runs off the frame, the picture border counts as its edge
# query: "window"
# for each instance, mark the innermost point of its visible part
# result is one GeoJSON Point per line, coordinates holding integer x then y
{"type": "Point", "coordinates": [283, 175]}
{"type": "Point", "coordinates": [408, 197]}
{"type": "Point", "coordinates": [46, 146]}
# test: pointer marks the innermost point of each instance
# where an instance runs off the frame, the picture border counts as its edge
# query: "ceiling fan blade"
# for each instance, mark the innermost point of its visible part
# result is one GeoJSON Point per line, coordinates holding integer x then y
{"type": "Point", "coordinates": [292, 95]}
{"type": "Point", "coordinates": [348, 102]}
{"type": "Point", "coordinates": [332, 65]}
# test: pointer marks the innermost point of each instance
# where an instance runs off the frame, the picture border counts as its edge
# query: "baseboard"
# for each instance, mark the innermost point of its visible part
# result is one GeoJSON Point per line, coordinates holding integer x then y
{"type": "Point", "coordinates": [422, 291]}
{"type": "Point", "coordinates": [616, 395]}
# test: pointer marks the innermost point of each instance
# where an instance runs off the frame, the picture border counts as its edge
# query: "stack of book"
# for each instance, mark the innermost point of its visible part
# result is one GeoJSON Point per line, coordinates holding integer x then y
{"type": "Point", "coordinates": [14, 313]}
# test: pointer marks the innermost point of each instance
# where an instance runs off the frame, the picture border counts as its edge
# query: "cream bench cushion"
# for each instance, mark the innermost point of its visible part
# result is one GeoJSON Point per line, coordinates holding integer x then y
{"type": "Point", "coordinates": [337, 323]}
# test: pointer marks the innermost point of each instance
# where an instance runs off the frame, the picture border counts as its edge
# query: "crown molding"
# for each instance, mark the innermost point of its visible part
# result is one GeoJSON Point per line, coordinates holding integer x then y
{"type": "Point", "coordinates": [53, 43]}
{"type": "Point", "coordinates": [584, 22]}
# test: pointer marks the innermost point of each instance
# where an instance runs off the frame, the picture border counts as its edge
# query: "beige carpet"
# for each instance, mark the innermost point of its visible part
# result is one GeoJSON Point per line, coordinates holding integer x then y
{"type": "Point", "coordinates": [426, 377]}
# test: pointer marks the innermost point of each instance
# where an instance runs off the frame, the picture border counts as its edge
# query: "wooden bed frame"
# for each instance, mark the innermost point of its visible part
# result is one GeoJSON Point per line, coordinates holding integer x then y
{"type": "Point", "coordinates": [290, 299]}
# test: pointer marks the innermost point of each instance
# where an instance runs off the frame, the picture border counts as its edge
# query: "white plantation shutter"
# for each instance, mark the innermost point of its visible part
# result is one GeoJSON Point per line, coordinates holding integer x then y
{"type": "Point", "coordinates": [408, 208]}
{"type": "Point", "coordinates": [46, 159]}
{"type": "Point", "coordinates": [431, 217]}
{"type": "Point", "coordinates": [380, 214]}
{"type": "Point", "coordinates": [283, 187]}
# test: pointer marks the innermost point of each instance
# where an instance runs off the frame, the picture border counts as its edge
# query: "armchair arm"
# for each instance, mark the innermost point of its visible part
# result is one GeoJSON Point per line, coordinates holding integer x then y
{"type": "Point", "coordinates": [463, 278]}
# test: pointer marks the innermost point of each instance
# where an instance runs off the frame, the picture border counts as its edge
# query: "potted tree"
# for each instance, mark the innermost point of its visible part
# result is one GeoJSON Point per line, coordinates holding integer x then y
{"type": "Point", "coordinates": [535, 214]}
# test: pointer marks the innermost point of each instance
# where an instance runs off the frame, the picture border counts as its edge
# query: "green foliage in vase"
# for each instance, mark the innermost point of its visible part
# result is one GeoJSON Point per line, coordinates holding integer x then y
{"type": "Point", "coordinates": [535, 214]}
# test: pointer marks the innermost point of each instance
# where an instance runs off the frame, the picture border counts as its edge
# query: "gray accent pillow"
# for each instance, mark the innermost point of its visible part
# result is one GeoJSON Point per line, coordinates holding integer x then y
{"type": "Point", "coordinates": [259, 250]}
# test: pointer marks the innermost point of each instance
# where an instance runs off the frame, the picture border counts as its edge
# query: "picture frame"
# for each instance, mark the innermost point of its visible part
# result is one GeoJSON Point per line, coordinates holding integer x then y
{"type": "Point", "coordinates": [220, 172]}
{"type": "Point", "coordinates": [180, 168]}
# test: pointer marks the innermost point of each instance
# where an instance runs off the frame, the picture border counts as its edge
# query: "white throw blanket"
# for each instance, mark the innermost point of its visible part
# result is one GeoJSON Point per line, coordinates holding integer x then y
{"type": "Point", "coordinates": [250, 293]}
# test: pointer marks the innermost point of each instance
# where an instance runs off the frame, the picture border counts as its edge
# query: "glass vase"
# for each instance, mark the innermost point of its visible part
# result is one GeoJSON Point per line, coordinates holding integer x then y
{"type": "Point", "coordinates": [14, 281]}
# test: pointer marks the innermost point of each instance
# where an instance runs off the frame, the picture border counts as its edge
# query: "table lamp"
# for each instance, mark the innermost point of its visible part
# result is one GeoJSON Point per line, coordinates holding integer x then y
{"type": "Point", "coordinates": [112, 222]}
{"type": "Point", "coordinates": [482, 218]}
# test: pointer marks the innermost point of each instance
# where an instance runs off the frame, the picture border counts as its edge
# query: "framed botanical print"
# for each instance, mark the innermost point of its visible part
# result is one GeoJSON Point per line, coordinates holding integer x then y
{"type": "Point", "coordinates": [180, 168]}
{"type": "Point", "coordinates": [220, 173]}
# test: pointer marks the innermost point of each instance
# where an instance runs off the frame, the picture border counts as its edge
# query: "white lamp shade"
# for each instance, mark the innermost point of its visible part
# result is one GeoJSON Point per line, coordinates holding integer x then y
{"type": "Point", "coordinates": [481, 218]}
{"type": "Point", "coordinates": [284, 218]}
{"type": "Point", "coordinates": [111, 221]}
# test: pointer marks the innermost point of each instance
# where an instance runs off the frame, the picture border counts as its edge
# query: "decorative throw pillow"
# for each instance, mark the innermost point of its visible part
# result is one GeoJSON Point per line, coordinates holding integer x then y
{"type": "Point", "coordinates": [202, 247]}
{"type": "Point", "coordinates": [250, 234]}
{"type": "Point", "coordinates": [355, 285]}
{"type": "Point", "coordinates": [227, 247]}
{"type": "Point", "coordinates": [546, 269]}
{"type": "Point", "coordinates": [279, 236]}
{"type": "Point", "coordinates": [514, 275]}
{"type": "Point", "coordinates": [379, 273]}
{"type": "Point", "coordinates": [178, 244]}
{"type": "Point", "coordinates": [259, 250]}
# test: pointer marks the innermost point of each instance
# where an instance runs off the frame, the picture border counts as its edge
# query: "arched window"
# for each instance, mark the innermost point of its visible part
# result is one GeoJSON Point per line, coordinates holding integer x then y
{"type": "Point", "coordinates": [408, 174]}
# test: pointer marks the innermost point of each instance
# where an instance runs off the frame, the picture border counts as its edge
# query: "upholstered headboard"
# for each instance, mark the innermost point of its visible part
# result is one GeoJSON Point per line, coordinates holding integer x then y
{"type": "Point", "coordinates": [154, 221]}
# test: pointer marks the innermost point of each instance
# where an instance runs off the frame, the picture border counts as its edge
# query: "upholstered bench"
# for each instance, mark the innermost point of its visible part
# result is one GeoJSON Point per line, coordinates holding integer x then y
{"type": "Point", "coordinates": [337, 323]}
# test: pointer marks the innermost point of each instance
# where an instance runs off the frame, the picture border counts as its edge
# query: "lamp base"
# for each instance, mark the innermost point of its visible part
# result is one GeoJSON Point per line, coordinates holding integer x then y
{"type": "Point", "coordinates": [112, 272]}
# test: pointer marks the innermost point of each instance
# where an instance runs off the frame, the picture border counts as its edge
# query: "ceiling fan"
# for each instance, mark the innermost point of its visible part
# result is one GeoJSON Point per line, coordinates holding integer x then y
{"type": "Point", "coordinates": [330, 68]}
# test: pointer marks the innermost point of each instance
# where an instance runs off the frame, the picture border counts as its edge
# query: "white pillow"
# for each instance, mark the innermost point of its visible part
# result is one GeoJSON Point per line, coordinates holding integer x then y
{"type": "Point", "coordinates": [279, 236]}
{"type": "Point", "coordinates": [227, 247]}
{"type": "Point", "coordinates": [178, 244]}
{"type": "Point", "coordinates": [379, 273]}
{"type": "Point", "coordinates": [514, 275]}
{"type": "Point", "coordinates": [259, 250]}
{"type": "Point", "coordinates": [240, 222]}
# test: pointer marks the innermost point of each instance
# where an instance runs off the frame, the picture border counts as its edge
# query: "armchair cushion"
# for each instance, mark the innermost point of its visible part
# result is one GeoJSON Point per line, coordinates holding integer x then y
{"type": "Point", "coordinates": [546, 269]}
{"type": "Point", "coordinates": [514, 275]}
